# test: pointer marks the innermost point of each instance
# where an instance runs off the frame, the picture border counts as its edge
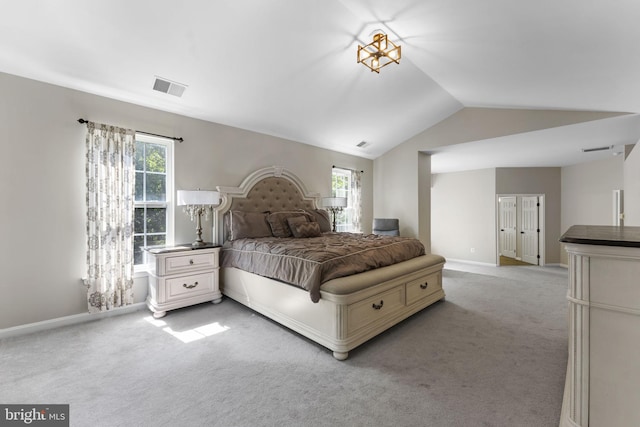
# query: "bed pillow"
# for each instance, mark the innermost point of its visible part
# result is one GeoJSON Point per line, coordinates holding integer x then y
{"type": "Point", "coordinates": [305, 229]}
{"type": "Point", "coordinates": [248, 224]}
{"type": "Point", "coordinates": [278, 222]}
{"type": "Point", "coordinates": [323, 219]}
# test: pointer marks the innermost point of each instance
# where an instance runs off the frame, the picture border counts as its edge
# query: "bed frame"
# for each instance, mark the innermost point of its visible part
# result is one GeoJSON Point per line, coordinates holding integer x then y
{"type": "Point", "coordinates": [351, 309]}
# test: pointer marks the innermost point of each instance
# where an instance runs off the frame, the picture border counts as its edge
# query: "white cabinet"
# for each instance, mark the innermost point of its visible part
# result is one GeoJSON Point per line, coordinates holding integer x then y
{"type": "Point", "coordinates": [182, 276]}
{"type": "Point", "coordinates": [603, 371]}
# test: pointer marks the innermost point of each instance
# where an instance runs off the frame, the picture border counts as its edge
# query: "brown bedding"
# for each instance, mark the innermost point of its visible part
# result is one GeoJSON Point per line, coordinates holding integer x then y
{"type": "Point", "coordinates": [309, 262]}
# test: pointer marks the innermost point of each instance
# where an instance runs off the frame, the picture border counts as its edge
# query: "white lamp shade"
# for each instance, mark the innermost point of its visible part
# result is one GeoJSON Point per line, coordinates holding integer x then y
{"type": "Point", "coordinates": [334, 202]}
{"type": "Point", "coordinates": [198, 197]}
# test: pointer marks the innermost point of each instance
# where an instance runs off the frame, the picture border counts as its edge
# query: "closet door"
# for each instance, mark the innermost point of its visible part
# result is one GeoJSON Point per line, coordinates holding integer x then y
{"type": "Point", "coordinates": [508, 216]}
{"type": "Point", "coordinates": [529, 230]}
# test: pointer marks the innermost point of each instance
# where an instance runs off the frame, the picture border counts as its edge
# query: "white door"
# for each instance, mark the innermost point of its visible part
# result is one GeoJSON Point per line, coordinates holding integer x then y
{"type": "Point", "coordinates": [529, 229]}
{"type": "Point", "coordinates": [507, 208]}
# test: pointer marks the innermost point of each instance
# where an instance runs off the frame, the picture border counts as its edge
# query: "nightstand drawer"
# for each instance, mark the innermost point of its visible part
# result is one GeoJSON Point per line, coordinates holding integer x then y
{"type": "Point", "coordinates": [193, 261]}
{"type": "Point", "coordinates": [188, 286]}
{"type": "Point", "coordinates": [423, 287]}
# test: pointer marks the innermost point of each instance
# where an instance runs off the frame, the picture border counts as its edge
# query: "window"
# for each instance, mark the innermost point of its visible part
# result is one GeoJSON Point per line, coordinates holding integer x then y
{"type": "Point", "coordinates": [153, 223]}
{"type": "Point", "coordinates": [341, 187]}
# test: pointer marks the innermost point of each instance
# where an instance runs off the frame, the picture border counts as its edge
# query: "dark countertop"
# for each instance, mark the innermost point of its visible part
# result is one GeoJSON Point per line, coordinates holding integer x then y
{"type": "Point", "coordinates": [603, 235]}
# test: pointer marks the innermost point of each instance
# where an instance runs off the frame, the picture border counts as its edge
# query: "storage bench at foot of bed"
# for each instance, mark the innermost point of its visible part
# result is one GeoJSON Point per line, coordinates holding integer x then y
{"type": "Point", "coordinates": [351, 310]}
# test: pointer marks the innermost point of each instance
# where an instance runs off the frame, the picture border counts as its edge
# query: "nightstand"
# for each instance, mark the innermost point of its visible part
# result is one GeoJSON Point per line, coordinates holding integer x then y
{"type": "Point", "coordinates": [180, 276]}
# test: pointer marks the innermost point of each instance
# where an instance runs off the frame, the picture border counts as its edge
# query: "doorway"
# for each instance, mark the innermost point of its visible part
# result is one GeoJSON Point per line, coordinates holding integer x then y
{"type": "Point", "coordinates": [521, 229]}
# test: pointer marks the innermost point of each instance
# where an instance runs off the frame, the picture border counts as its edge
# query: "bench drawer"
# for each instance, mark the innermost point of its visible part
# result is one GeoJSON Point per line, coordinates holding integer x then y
{"type": "Point", "coordinates": [423, 287]}
{"type": "Point", "coordinates": [372, 309]}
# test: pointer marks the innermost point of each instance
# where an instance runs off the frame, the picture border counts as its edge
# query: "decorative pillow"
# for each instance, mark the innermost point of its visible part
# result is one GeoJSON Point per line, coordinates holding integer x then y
{"type": "Point", "coordinates": [323, 219]}
{"type": "Point", "coordinates": [278, 222]}
{"type": "Point", "coordinates": [293, 220]}
{"type": "Point", "coordinates": [306, 229]}
{"type": "Point", "coordinates": [248, 224]}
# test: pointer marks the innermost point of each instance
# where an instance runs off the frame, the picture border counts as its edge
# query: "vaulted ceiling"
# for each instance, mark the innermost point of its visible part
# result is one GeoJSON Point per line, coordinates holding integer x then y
{"type": "Point", "coordinates": [288, 67]}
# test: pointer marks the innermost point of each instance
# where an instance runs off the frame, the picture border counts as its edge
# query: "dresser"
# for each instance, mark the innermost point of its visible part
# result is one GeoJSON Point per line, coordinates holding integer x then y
{"type": "Point", "coordinates": [602, 387]}
{"type": "Point", "coordinates": [180, 276]}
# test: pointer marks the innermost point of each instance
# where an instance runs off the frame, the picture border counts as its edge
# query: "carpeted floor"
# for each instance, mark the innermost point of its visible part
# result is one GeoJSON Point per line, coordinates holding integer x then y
{"type": "Point", "coordinates": [493, 354]}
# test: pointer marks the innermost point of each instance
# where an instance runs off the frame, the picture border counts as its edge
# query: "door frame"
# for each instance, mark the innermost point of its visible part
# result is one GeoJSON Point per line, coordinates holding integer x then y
{"type": "Point", "coordinates": [541, 223]}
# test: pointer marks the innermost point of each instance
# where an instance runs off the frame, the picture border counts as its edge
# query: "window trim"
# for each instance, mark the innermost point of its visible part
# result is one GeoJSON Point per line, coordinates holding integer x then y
{"type": "Point", "coordinates": [169, 200]}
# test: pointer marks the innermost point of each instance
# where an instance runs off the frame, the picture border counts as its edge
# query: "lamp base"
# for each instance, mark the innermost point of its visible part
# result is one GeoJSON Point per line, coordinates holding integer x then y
{"type": "Point", "coordinates": [198, 244]}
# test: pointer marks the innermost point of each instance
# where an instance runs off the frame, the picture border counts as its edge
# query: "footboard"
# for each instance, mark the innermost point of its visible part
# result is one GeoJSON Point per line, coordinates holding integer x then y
{"type": "Point", "coordinates": [351, 310]}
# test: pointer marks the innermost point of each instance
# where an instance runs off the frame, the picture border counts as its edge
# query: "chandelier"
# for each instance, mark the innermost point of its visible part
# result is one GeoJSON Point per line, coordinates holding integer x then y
{"type": "Point", "coordinates": [379, 53]}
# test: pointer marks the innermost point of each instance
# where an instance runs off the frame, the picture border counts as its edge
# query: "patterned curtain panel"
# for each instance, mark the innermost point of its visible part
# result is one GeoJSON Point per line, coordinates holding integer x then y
{"type": "Point", "coordinates": [110, 205]}
{"type": "Point", "coordinates": [356, 199]}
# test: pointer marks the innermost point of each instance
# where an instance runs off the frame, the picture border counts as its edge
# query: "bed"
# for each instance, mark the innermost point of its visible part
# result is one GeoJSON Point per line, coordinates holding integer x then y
{"type": "Point", "coordinates": [339, 311]}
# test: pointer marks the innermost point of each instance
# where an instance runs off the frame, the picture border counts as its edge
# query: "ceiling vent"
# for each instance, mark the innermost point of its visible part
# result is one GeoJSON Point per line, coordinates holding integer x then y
{"type": "Point", "coordinates": [362, 144]}
{"type": "Point", "coordinates": [589, 150]}
{"type": "Point", "coordinates": [167, 86]}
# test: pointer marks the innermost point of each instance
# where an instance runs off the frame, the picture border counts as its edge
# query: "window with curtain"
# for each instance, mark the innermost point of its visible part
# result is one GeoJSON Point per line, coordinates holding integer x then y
{"type": "Point", "coordinates": [129, 180]}
{"type": "Point", "coordinates": [347, 183]}
{"type": "Point", "coordinates": [153, 225]}
{"type": "Point", "coordinates": [110, 155]}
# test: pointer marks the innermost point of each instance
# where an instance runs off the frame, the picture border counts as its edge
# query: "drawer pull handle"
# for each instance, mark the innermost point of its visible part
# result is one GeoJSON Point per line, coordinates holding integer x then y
{"type": "Point", "coordinates": [377, 306]}
{"type": "Point", "coordinates": [190, 286]}
{"type": "Point", "coordinates": [191, 261]}
{"type": "Point", "coordinates": [424, 285]}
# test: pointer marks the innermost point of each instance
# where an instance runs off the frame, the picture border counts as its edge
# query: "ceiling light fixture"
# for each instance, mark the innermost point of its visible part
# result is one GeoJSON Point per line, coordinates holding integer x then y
{"type": "Point", "coordinates": [379, 53]}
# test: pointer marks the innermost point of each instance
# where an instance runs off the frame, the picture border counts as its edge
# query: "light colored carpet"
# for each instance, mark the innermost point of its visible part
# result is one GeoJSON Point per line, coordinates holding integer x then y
{"type": "Point", "coordinates": [493, 354]}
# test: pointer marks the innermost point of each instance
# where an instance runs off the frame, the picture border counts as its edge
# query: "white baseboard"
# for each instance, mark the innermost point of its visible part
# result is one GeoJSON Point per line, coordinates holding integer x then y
{"type": "Point", "coordinates": [464, 261]}
{"type": "Point", "coordinates": [30, 328]}
{"type": "Point", "coordinates": [556, 264]}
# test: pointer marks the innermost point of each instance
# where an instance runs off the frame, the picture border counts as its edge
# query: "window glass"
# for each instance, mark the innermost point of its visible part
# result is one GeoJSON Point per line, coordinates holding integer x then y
{"type": "Point", "coordinates": [156, 220]}
{"type": "Point", "coordinates": [153, 221]}
{"type": "Point", "coordinates": [156, 158]}
{"type": "Point", "coordinates": [156, 187]}
{"type": "Point", "coordinates": [341, 187]}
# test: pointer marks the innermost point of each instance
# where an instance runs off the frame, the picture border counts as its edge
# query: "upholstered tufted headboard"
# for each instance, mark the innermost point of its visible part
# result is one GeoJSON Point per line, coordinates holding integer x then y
{"type": "Point", "coordinates": [270, 189]}
{"type": "Point", "coordinates": [272, 194]}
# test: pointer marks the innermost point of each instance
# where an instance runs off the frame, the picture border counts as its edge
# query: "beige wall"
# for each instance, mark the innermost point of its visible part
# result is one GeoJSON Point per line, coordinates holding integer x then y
{"type": "Point", "coordinates": [424, 200]}
{"type": "Point", "coordinates": [632, 188]}
{"type": "Point", "coordinates": [463, 215]}
{"type": "Point", "coordinates": [42, 185]}
{"type": "Point", "coordinates": [587, 193]}
{"type": "Point", "coordinates": [396, 183]}
{"type": "Point", "coordinates": [537, 181]}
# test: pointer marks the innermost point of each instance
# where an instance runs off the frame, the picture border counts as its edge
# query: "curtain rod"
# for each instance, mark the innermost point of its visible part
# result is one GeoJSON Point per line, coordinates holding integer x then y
{"type": "Point", "coordinates": [179, 139]}
{"type": "Point", "coordinates": [340, 167]}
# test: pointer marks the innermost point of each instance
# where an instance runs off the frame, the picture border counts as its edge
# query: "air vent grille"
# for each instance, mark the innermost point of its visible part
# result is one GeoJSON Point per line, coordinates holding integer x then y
{"type": "Point", "coordinates": [167, 86]}
{"type": "Point", "coordinates": [589, 150]}
{"type": "Point", "coordinates": [362, 144]}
